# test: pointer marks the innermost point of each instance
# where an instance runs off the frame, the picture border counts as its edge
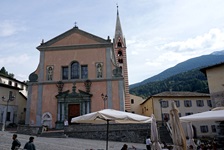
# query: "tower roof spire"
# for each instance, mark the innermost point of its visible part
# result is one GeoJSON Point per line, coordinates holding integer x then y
{"type": "Point", "coordinates": [118, 29]}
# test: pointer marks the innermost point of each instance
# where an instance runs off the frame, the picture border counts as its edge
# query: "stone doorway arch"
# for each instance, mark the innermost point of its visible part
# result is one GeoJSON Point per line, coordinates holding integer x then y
{"type": "Point", "coordinates": [47, 119]}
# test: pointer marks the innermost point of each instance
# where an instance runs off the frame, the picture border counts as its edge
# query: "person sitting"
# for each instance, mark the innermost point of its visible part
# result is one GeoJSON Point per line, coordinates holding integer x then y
{"type": "Point", "coordinates": [190, 147]}
{"type": "Point", "coordinates": [125, 147]}
{"type": "Point", "coordinates": [165, 146]}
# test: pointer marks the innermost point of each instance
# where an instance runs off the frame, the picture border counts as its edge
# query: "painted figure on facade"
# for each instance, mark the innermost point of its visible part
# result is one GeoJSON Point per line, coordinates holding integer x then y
{"type": "Point", "coordinates": [50, 73]}
{"type": "Point", "coordinates": [99, 70]}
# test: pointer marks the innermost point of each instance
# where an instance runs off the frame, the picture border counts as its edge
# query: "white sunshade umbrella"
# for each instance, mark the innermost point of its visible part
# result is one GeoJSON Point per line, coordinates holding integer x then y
{"type": "Point", "coordinates": [106, 115]}
{"type": "Point", "coordinates": [190, 134]}
{"type": "Point", "coordinates": [154, 135]}
{"type": "Point", "coordinates": [214, 115]}
{"type": "Point", "coordinates": [178, 136]}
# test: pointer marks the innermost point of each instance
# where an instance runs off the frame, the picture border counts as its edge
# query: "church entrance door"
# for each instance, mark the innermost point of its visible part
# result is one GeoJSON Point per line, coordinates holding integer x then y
{"type": "Point", "coordinates": [73, 111]}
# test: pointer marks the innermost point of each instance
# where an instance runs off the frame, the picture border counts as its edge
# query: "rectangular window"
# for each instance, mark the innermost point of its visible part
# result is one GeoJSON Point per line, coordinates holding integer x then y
{"type": "Point", "coordinates": [200, 103]}
{"type": "Point", "coordinates": [165, 104]}
{"type": "Point", "coordinates": [204, 129]}
{"type": "Point", "coordinates": [187, 103]}
{"type": "Point", "coordinates": [179, 114]}
{"type": "Point", "coordinates": [84, 72]}
{"type": "Point", "coordinates": [8, 116]}
{"type": "Point", "coordinates": [177, 103]}
{"type": "Point", "coordinates": [16, 84]}
{"type": "Point", "coordinates": [188, 113]}
{"type": "Point", "coordinates": [213, 128]}
{"type": "Point", "coordinates": [132, 101]}
{"type": "Point", "coordinates": [10, 94]}
{"type": "Point", "coordinates": [64, 73]}
{"type": "Point", "coordinates": [209, 102]}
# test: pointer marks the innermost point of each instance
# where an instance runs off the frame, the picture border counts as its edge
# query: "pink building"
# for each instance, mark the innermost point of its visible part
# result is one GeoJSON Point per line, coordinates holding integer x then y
{"type": "Point", "coordinates": [78, 73]}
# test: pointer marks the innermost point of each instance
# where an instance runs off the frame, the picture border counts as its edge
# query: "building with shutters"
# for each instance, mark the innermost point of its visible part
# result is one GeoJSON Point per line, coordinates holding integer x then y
{"type": "Point", "coordinates": [13, 94]}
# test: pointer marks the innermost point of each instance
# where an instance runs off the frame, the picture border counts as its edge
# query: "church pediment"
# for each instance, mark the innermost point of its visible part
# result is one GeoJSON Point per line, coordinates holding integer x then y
{"type": "Point", "coordinates": [84, 94]}
{"type": "Point", "coordinates": [73, 37]}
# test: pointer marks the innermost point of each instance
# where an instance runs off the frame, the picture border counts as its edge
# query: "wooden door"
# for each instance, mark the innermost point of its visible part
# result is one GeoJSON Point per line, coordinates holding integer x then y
{"type": "Point", "coordinates": [73, 111]}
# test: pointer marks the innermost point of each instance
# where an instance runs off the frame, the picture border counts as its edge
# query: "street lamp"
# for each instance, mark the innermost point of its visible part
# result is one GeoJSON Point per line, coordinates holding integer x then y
{"type": "Point", "coordinates": [161, 108]}
{"type": "Point", "coordinates": [11, 98]}
{"type": "Point", "coordinates": [104, 97]}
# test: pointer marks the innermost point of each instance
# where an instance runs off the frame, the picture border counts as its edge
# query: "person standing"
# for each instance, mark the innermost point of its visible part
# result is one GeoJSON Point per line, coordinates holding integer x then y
{"type": "Point", "coordinates": [15, 144]}
{"type": "Point", "coordinates": [65, 122]}
{"type": "Point", "coordinates": [148, 143]}
{"type": "Point", "coordinates": [30, 145]}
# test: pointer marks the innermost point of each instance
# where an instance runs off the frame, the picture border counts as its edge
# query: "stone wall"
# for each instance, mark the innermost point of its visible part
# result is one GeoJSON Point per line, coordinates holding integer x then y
{"type": "Point", "coordinates": [29, 130]}
{"type": "Point", "coordinates": [135, 133]}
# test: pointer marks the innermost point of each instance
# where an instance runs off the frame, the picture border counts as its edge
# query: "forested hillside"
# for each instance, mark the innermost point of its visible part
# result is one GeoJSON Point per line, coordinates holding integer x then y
{"type": "Point", "coordinates": [193, 81]}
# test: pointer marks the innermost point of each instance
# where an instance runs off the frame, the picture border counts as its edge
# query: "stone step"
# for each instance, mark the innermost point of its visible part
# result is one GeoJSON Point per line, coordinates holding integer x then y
{"type": "Point", "coordinates": [165, 135]}
{"type": "Point", "coordinates": [53, 134]}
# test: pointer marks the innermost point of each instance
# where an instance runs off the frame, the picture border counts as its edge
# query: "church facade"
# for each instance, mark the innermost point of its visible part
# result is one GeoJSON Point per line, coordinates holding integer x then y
{"type": "Point", "coordinates": [78, 73]}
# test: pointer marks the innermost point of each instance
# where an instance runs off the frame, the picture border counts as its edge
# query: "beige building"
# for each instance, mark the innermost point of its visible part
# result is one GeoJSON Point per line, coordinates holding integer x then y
{"type": "Point", "coordinates": [135, 102]}
{"type": "Point", "coordinates": [13, 94]}
{"type": "Point", "coordinates": [187, 102]}
{"type": "Point", "coordinates": [215, 77]}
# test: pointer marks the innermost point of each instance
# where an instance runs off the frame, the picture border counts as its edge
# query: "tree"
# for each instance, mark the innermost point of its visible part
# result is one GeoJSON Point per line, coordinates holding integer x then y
{"type": "Point", "coordinates": [3, 71]}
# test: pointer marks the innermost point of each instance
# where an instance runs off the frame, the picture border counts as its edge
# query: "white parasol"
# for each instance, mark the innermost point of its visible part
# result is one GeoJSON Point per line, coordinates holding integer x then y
{"type": "Point", "coordinates": [178, 136]}
{"type": "Point", "coordinates": [154, 135]}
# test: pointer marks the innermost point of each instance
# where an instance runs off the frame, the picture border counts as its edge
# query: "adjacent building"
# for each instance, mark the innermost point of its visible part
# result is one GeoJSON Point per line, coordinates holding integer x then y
{"type": "Point", "coordinates": [13, 94]}
{"type": "Point", "coordinates": [215, 79]}
{"type": "Point", "coordinates": [187, 103]}
{"type": "Point", "coordinates": [78, 73]}
{"type": "Point", "coordinates": [135, 102]}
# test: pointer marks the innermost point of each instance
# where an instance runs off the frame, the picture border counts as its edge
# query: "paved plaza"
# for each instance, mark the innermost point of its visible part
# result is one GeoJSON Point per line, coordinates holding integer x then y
{"type": "Point", "coordinates": [43, 143]}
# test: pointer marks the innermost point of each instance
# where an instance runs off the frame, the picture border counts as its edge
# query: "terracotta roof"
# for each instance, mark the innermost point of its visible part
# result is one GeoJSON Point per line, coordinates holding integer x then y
{"type": "Point", "coordinates": [179, 94]}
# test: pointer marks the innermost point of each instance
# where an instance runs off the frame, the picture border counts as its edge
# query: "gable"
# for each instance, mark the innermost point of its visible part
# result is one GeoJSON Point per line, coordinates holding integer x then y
{"type": "Point", "coordinates": [74, 37]}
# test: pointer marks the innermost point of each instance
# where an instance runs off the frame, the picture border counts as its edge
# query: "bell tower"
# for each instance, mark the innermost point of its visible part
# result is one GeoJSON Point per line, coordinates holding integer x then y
{"type": "Point", "coordinates": [121, 58]}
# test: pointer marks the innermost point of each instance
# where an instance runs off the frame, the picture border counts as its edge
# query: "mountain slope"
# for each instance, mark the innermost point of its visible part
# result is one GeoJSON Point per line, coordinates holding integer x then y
{"type": "Point", "coordinates": [193, 81]}
{"type": "Point", "coordinates": [193, 63]}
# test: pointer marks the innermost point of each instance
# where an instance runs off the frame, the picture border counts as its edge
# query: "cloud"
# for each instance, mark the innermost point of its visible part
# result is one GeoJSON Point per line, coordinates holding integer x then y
{"type": "Point", "coordinates": [12, 60]}
{"type": "Point", "coordinates": [159, 53]}
{"type": "Point", "coordinates": [21, 65]}
{"type": "Point", "coordinates": [212, 40]}
{"type": "Point", "coordinates": [9, 28]}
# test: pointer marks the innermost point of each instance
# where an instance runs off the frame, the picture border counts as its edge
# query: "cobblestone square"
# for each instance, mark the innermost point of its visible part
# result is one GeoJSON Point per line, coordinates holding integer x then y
{"type": "Point", "coordinates": [43, 143]}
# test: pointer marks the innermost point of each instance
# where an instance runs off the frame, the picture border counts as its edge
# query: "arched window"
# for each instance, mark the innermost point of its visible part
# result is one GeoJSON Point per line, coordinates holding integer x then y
{"type": "Point", "coordinates": [119, 53]}
{"type": "Point", "coordinates": [120, 61]}
{"type": "Point", "coordinates": [119, 44]}
{"type": "Point", "coordinates": [75, 70]}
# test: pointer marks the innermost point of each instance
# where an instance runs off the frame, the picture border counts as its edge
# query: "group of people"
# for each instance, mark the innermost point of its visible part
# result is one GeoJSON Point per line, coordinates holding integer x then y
{"type": "Point", "coordinates": [147, 141]}
{"type": "Point", "coordinates": [28, 146]}
{"type": "Point", "coordinates": [206, 144]}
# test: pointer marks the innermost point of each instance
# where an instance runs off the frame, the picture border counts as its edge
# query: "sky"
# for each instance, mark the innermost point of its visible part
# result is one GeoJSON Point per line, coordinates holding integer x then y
{"type": "Point", "coordinates": [159, 33]}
